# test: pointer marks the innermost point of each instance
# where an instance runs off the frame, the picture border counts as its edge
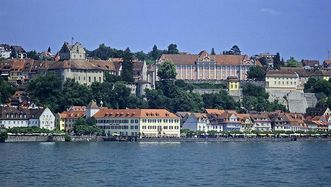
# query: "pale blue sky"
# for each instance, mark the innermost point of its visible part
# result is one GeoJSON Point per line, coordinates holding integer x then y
{"type": "Point", "coordinates": [299, 28]}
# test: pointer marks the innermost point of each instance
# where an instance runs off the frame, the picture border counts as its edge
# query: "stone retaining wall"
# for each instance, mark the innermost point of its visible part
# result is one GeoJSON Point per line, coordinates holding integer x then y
{"type": "Point", "coordinates": [34, 138]}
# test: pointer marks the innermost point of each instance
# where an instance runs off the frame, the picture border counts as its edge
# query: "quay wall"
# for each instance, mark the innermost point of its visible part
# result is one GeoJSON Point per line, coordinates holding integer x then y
{"type": "Point", "coordinates": [34, 138]}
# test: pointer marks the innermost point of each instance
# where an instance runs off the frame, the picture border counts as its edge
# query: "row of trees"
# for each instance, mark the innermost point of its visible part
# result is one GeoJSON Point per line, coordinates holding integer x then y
{"type": "Point", "coordinates": [48, 91]}
{"type": "Point", "coordinates": [105, 52]}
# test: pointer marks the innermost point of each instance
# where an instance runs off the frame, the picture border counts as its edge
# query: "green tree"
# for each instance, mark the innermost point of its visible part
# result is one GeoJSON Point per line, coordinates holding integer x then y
{"type": "Point", "coordinates": [156, 99]}
{"type": "Point", "coordinates": [257, 73]}
{"type": "Point", "coordinates": [172, 49]}
{"type": "Point", "coordinates": [49, 50]}
{"type": "Point", "coordinates": [235, 50]}
{"type": "Point", "coordinates": [292, 63]}
{"type": "Point", "coordinates": [74, 94]}
{"type": "Point", "coordinates": [255, 91]}
{"type": "Point", "coordinates": [6, 90]}
{"type": "Point", "coordinates": [277, 61]}
{"type": "Point", "coordinates": [46, 90]}
{"type": "Point", "coordinates": [127, 67]}
{"type": "Point", "coordinates": [219, 101]}
{"type": "Point", "coordinates": [155, 53]}
{"type": "Point", "coordinates": [103, 52]}
{"type": "Point", "coordinates": [167, 70]}
{"type": "Point", "coordinates": [3, 136]}
{"type": "Point", "coordinates": [33, 55]}
{"type": "Point", "coordinates": [112, 78]}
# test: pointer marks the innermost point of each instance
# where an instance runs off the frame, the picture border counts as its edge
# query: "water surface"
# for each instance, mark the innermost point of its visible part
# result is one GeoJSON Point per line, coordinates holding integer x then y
{"type": "Point", "coordinates": [166, 164]}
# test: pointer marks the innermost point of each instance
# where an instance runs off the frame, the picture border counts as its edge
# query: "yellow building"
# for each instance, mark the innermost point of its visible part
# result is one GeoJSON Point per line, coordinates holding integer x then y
{"type": "Point", "coordinates": [233, 84]}
{"type": "Point", "coordinates": [67, 119]}
{"type": "Point", "coordinates": [138, 122]}
{"type": "Point", "coordinates": [280, 80]}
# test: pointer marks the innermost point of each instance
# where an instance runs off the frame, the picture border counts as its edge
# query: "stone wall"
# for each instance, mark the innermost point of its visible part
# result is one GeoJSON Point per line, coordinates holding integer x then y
{"type": "Point", "coordinates": [34, 138]}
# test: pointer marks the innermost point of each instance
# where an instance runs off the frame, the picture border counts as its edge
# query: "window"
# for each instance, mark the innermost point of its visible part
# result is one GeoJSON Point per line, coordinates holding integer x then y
{"type": "Point", "coordinates": [136, 127]}
{"type": "Point", "coordinates": [89, 79]}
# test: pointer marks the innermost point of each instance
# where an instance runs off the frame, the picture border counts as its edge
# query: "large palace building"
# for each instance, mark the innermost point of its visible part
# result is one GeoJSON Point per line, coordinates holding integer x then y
{"type": "Point", "coordinates": [204, 66]}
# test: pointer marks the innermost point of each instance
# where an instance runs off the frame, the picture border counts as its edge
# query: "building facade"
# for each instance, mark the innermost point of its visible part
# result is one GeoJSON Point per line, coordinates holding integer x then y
{"type": "Point", "coordinates": [138, 122]}
{"type": "Point", "coordinates": [197, 122]}
{"type": "Point", "coordinates": [72, 52]}
{"type": "Point", "coordinates": [27, 117]}
{"type": "Point", "coordinates": [204, 66]}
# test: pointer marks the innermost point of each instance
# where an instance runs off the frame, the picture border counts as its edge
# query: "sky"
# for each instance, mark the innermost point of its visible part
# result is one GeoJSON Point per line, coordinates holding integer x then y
{"type": "Point", "coordinates": [297, 28]}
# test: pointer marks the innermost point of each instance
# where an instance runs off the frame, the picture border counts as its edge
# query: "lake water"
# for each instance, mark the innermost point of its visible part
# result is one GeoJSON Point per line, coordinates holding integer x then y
{"type": "Point", "coordinates": [166, 164]}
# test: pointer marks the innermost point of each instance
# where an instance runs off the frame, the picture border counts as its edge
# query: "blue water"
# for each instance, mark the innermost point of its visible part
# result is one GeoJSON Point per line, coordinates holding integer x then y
{"type": "Point", "coordinates": [166, 164]}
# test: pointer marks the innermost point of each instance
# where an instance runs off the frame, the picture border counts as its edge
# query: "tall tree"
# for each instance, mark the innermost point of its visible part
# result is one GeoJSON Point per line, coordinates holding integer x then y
{"type": "Point", "coordinates": [127, 67]}
{"type": "Point", "coordinates": [212, 51]}
{"type": "Point", "coordinates": [277, 61]}
{"type": "Point", "coordinates": [155, 53]}
{"type": "Point", "coordinates": [172, 49]}
{"type": "Point", "coordinates": [49, 50]}
{"type": "Point", "coordinates": [167, 70]}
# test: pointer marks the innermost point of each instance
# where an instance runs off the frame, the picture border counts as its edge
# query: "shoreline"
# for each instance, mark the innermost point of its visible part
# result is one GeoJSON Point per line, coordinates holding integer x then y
{"type": "Point", "coordinates": [32, 138]}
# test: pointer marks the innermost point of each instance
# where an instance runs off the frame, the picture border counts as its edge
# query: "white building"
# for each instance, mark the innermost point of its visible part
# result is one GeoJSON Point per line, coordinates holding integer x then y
{"type": "Point", "coordinates": [21, 117]}
{"type": "Point", "coordinates": [138, 122]}
{"type": "Point", "coordinates": [42, 118]}
{"type": "Point", "coordinates": [13, 117]}
{"type": "Point", "coordinates": [197, 122]}
{"type": "Point", "coordinates": [72, 52]}
{"type": "Point", "coordinates": [5, 51]}
{"type": "Point", "coordinates": [261, 122]}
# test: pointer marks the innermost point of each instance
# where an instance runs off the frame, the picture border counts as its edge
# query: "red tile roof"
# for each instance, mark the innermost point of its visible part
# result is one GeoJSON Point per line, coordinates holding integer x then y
{"type": "Point", "coordinates": [134, 113]}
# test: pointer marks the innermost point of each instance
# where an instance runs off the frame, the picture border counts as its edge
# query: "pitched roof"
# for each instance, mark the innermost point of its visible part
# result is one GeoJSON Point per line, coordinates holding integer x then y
{"type": "Point", "coordinates": [310, 63]}
{"type": "Point", "coordinates": [35, 113]}
{"type": "Point", "coordinates": [281, 73]}
{"type": "Point", "coordinates": [83, 65]}
{"type": "Point", "coordinates": [200, 115]}
{"type": "Point", "coordinates": [191, 59]}
{"type": "Point", "coordinates": [182, 114]}
{"type": "Point", "coordinates": [73, 114]}
{"type": "Point", "coordinates": [13, 113]}
{"type": "Point", "coordinates": [134, 113]}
